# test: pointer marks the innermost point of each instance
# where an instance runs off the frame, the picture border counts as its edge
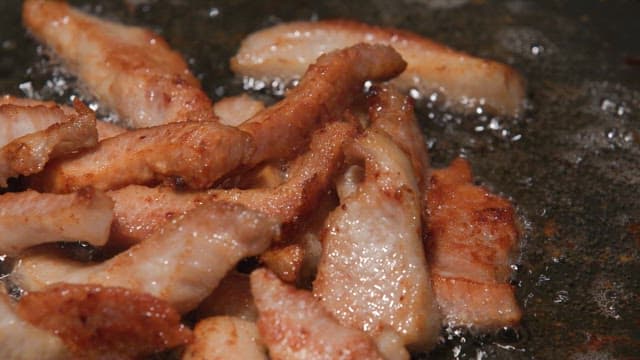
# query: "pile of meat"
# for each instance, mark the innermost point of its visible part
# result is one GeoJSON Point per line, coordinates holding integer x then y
{"type": "Point", "coordinates": [361, 251]}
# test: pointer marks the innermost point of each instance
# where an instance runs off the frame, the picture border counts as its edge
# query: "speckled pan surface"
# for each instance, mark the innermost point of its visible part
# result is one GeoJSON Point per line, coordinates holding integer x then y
{"type": "Point", "coordinates": [571, 164]}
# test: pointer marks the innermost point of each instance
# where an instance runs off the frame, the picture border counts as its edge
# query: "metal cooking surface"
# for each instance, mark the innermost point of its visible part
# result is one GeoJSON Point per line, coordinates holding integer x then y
{"type": "Point", "coordinates": [571, 164]}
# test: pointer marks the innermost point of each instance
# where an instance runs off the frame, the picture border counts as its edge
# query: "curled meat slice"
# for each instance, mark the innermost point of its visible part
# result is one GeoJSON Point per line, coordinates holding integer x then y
{"type": "Point", "coordinates": [181, 264]}
{"type": "Point", "coordinates": [285, 50]}
{"type": "Point", "coordinates": [29, 154]}
{"type": "Point", "coordinates": [21, 340]}
{"type": "Point", "coordinates": [393, 113]}
{"type": "Point", "coordinates": [327, 88]}
{"type": "Point", "coordinates": [29, 218]}
{"type": "Point", "coordinates": [195, 154]}
{"type": "Point", "coordinates": [471, 237]}
{"type": "Point", "coordinates": [373, 274]}
{"type": "Point", "coordinates": [235, 110]}
{"type": "Point", "coordinates": [131, 70]}
{"type": "Point", "coordinates": [97, 322]}
{"type": "Point", "coordinates": [21, 116]}
{"type": "Point", "coordinates": [294, 325]}
{"type": "Point", "coordinates": [309, 177]}
{"type": "Point", "coordinates": [139, 211]}
{"type": "Point", "coordinates": [225, 338]}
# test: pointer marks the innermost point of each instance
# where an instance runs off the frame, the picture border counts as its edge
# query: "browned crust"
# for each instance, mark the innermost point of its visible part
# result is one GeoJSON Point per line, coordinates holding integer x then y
{"type": "Point", "coordinates": [328, 87]}
{"type": "Point", "coordinates": [126, 62]}
{"type": "Point", "coordinates": [94, 320]}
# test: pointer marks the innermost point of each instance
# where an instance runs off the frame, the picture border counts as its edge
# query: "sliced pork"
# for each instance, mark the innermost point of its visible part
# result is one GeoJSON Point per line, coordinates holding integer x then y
{"type": "Point", "coordinates": [180, 265]}
{"type": "Point", "coordinates": [30, 153]}
{"type": "Point", "coordinates": [191, 154]}
{"type": "Point", "coordinates": [472, 236]}
{"type": "Point", "coordinates": [327, 88]}
{"type": "Point", "coordinates": [373, 275]}
{"type": "Point", "coordinates": [286, 50]}
{"type": "Point", "coordinates": [140, 211]}
{"type": "Point", "coordinates": [30, 218]}
{"type": "Point", "coordinates": [98, 322]}
{"type": "Point", "coordinates": [129, 69]}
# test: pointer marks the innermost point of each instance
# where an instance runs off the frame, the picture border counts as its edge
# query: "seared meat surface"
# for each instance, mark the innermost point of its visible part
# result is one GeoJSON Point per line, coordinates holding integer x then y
{"type": "Point", "coordinates": [30, 153]}
{"type": "Point", "coordinates": [471, 238]}
{"type": "Point", "coordinates": [129, 69]}
{"type": "Point", "coordinates": [30, 218]}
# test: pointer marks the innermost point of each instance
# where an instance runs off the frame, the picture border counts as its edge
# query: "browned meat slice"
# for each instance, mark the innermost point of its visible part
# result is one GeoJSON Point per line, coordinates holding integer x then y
{"type": "Point", "coordinates": [225, 338]}
{"type": "Point", "coordinates": [29, 154]}
{"type": "Point", "coordinates": [235, 110]}
{"type": "Point", "coordinates": [373, 274]}
{"type": "Point", "coordinates": [294, 325]}
{"type": "Point", "coordinates": [181, 264]}
{"type": "Point", "coordinates": [309, 176]}
{"type": "Point", "coordinates": [195, 154]}
{"type": "Point", "coordinates": [284, 51]}
{"type": "Point", "coordinates": [327, 88]}
{"type": "Point", "coordinates": [393, 113]}
{"type": "Point", "coordinates": [471, 237]}
{"type": "Point", "coordinates": [129, 69]}
{"type": "Point", "coordinates": [96, 321]}
{"type": "Point", "coordinates": [21, 340]}
{"type": "Point", "coordinates": [16, 121]}
{"type": "Point", "coordinates": [29, 218]}
{"type": "Point", "coordinates": [140, 211]}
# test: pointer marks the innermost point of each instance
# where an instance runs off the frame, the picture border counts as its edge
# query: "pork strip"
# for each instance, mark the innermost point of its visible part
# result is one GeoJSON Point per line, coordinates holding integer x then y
{"type": "Point", "coordinates": [471, 238]}
{"type": "Point", "coordinates": [131, 70]}
{"type": "Point", "coordinates": [30, 153]}
{"type": "Point", "coordinates": [100, 322]}
{"type": "Point", "coordinates": [284, 51]}
{"type": "Point", "coordinates": [294, 325]}
{"type": "Point", "coordinates": [140, 211]}
{"type": "Point", "coordinates": [327, 88]}
{"type": "Point", "coordinates": [181, 264]}
{"type": "Point", "coordinates": [193, 154]}
{"type": "Point", "coordinates": [373, 274]}
{"type": "Point", "coordinates": [30, 218]}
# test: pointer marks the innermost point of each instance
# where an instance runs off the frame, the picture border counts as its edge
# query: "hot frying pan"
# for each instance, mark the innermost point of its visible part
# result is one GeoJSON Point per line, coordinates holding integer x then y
{"type": "Point", "coordinates": [570, 164]}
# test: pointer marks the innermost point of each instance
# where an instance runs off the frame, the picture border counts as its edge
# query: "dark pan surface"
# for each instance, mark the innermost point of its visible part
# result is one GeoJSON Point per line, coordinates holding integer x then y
{"type": "Point", "coordinates": [571, 164]}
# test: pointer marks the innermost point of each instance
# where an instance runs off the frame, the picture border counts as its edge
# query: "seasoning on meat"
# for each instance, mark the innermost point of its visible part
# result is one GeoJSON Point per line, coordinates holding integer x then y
{"type": "Point", "coordinates": [30, 218]}
{"type": "Point", "coordinates": [104, 322]}
{"type": "Point", "coordinates": [30, 153]}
